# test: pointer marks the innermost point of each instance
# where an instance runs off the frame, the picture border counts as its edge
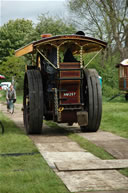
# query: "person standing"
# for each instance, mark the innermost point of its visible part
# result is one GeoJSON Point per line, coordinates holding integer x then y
{"type": "Point", "coordinates": [11, 98]}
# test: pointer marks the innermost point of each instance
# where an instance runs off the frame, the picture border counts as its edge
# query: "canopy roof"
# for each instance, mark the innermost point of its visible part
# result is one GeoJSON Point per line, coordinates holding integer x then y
{"type": "Point", "coordinates": [89, 44]}
{"type": "Point", "coordinates": [124, 62]}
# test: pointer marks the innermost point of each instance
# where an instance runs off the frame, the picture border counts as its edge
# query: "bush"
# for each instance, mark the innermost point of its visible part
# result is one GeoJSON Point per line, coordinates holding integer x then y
{"type": "Point", "coordinates": [108, 91]}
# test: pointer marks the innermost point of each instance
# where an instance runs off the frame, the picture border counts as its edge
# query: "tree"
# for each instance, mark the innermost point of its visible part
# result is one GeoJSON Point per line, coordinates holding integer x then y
{"type": "Point", "coordinates": [13, 35]}
{"type": "Point", "coordinates": [105, 19]}
{"type": "Point", "coordinates": [13, 67]}
{"type": "Point", "coordinates": [55, 26]}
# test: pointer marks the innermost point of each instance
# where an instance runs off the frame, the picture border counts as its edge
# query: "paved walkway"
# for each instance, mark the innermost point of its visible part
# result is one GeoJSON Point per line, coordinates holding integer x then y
{"type": "Point", "coordinates": [115, 145]}
{"type": "Point", "coordinates": [72, 164]}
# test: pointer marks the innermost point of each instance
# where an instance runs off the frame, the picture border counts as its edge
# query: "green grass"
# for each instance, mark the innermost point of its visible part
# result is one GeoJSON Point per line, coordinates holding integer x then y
{"type": "Point", "coordinates": [19, 98]}
{"type": "Point", "coordinates": [115, 118]}
{"type": "Point", "coordinates": [2, 95]}
{"type": "Point", "coordinates": [26, 173]}
{"type": "Point", "coordinates": [14, 140]}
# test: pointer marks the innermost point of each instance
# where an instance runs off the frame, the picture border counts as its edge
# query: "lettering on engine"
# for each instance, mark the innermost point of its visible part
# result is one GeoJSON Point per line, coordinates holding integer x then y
{"type": "Point", "coordinates": [70, 94]}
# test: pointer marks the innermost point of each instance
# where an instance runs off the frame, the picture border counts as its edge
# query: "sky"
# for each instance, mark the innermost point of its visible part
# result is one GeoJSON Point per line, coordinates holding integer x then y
{"type": "Point", "coordinates": [30, 9]}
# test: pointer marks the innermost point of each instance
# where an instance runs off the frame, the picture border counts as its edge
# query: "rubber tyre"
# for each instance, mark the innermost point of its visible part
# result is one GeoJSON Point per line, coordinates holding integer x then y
{"type": "Point", "coordinates": [92, 100]}
{"type": "Point", "coordinates": [126, 96]}
{"type": "Point", "coordinates": [33, 102]}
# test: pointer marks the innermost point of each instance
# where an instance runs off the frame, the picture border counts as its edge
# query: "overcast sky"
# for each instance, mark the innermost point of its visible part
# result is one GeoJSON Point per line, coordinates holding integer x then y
{"type": "Point", "coordinates": [30, 9]}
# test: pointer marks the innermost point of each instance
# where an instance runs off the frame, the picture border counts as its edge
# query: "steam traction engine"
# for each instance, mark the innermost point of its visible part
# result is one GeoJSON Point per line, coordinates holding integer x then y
{"type": "Point", "coordinates": [58, 86]}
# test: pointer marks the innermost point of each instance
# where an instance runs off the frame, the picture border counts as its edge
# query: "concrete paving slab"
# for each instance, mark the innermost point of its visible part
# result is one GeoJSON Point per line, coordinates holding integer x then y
{"type": "Point", "coordinates": [116, 191]}
{"type": "Point", "coordinates": [85, 165]}
{"type": "Point", "coordinates": [52, 157]}
{"type": "Point", "coordinates": [99, 135]}
{"type": "Point", "coordinates": [94, 180]}
{"type": "Point", "coordinates": [49, 139]}
{"type": "Point", "coordinates": [59, 147]}
{"type": "Point", "coordinates": [116, 146]}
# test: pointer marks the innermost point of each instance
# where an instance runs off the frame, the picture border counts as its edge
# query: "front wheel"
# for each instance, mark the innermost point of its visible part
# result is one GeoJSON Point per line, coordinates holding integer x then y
{"type": "Point", "coordinates": [92, 100]}
{"type": "Point", "coordinates": [33, 102]}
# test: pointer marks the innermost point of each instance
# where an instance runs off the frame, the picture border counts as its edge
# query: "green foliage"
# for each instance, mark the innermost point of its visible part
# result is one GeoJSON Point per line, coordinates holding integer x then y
{"type": "Point", "coordinates": [13, 35]}
{"type": "Point", "coordinates": [110, 72]}
{"type": "Point", "coordinates": [107, 70]}
{"type": "Point", "coordinates": [108, 91]}
{"type": "Point", "coordinates": [13, 66]}
{"type": "Point", "coordinates": [55, 26]}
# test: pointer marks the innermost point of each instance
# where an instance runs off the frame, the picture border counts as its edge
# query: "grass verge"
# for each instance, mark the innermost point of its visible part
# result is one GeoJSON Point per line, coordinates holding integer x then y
{"type": "Point", "coordinates": [27, 173]}
{"type": "Point", "coordinates": [115, 118]}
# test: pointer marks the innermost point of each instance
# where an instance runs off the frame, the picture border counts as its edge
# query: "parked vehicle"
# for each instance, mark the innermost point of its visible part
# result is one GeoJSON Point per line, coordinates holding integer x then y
{"type": "Point", "coordinates": [58, 85]}
{"type": "Point", "coordinates": [5, 85]}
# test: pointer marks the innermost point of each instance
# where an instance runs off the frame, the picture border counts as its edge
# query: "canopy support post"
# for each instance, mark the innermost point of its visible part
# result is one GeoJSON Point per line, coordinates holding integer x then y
{"type": "Point", "coordinates": [93, 57]}
{"type": "Point", "coordinates": [46, 59]}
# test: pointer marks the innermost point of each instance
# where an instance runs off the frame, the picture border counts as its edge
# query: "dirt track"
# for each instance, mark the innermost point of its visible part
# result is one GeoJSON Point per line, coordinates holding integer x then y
{"type": "Point", "coordinates": [75, 166]}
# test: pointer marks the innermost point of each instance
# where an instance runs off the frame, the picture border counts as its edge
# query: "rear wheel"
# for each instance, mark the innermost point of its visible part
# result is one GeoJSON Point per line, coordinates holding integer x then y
{"type": "Point", "coordinates": [92, 100]}
{"type": "Point", "coordinates": [33, 102]}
